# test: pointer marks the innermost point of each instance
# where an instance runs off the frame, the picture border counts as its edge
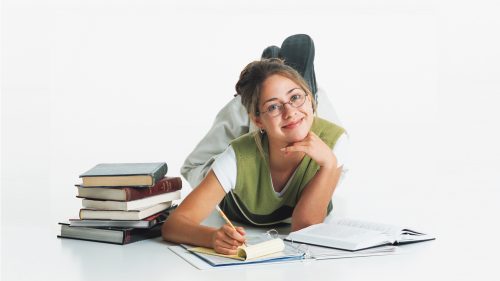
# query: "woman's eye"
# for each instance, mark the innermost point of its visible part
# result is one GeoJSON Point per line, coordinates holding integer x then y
{"type": "Point", "coordinates": [295, 97]}
{"type": "Point", "coordinates": [273, 107]}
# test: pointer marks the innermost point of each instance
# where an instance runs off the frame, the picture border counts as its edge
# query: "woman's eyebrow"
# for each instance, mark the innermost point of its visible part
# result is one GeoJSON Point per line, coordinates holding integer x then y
{"type": "Point", "coordinates": [287, 93]}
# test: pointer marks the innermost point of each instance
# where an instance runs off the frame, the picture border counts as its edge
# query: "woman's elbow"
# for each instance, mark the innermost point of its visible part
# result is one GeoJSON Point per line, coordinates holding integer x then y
{"type": "Point", "coordinates": [299, 222]}
{"type": "Point", "coordinates": [167, 230]}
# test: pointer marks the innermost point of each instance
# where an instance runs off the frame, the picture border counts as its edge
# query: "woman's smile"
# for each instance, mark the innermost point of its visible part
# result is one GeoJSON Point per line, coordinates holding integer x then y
{"type": "Point", "coordinates": [293, 124]}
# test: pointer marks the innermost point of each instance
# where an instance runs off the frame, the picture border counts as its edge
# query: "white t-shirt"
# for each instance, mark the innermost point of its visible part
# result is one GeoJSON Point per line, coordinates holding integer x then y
{"type": "Point", "coordinates": [224, 166]}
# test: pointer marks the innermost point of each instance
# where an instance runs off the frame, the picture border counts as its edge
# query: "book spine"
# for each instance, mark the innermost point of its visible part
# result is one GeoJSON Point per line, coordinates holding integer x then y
{"type": "Point", "coordinates": [167, 184]}
{"type": "Point", "coordinates": [130, 194]}
{"type": "Point", "coordinates": [159, 173]}
{"type": "Point", "coordinates": [134, 235]}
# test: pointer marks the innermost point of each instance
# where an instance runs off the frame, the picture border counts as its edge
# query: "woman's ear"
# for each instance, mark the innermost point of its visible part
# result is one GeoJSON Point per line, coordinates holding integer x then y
{"type": "Point", "coordinates": [257, 121]}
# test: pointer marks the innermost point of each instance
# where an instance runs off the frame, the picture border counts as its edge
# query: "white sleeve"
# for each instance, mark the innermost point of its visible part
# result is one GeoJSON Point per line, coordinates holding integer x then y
{"type": "Point", "coordinates": [224, 169]}
{"type": "Point", "coordinates": [341, 151]}
{"type": "Point", "coordinates": [231, 122]}
{"type": "Point", "coordinates": [326, 111]}
{"type": "Point", "coordinates": [325, 108]}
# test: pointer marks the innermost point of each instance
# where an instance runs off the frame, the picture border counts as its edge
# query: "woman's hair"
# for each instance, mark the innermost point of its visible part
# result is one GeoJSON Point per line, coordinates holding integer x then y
{"type": "Point", "coordinates": [249, 86]}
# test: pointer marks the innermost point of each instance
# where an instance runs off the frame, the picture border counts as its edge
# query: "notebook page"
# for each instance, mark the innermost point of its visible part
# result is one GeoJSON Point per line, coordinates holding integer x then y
{"type": "Point", "coordinates": [253, 251]}
{"type": "Point", "coordinates": [288, 254]}
{"type": "Point", "coordinates": [261, 249]}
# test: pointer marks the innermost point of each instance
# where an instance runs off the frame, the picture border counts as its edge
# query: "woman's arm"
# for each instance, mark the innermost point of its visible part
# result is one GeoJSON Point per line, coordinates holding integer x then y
{"type": "Point", "coordinates": [184, 224]}
{"type": "Point", "coordinates": [312, 205]}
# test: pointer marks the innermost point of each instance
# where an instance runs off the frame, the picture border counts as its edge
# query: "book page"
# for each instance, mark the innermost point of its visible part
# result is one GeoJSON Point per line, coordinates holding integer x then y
{"type": "Point", "coordinates": [397, 234]}
{"type": "Point", "coordinates": [322, 253]}
{"type": "Point", "coordinates": [340, 236]}
{"type": "Point", "coordinates": [388, 229]}
{"type": "Point", "coordinates": [343, 232]}
{"type": "Point", "coordinates": [212, 252]}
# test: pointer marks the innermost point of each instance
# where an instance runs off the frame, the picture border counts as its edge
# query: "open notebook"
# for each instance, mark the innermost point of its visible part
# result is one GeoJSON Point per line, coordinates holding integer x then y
{"type": "Point", "coordinates": [355, 235]}
{"type": "Point", "coordinates": [260, 249]}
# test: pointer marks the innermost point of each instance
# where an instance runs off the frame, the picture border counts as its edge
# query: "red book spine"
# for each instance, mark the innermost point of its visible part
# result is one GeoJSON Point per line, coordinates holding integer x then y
{"type": "Point", "coordinates": [167, 184]}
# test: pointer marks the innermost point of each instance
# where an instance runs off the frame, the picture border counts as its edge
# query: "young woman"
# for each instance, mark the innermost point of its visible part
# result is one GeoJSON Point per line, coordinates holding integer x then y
{"type": "Point", "coordinates": [232, 120]}
{"type": "Point", "coordinates": [285, 171]}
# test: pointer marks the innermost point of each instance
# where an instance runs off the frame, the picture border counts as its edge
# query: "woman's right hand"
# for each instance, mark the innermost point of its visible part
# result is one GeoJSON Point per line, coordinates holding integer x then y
{"type": "Point", "coordinates": [226, 240]}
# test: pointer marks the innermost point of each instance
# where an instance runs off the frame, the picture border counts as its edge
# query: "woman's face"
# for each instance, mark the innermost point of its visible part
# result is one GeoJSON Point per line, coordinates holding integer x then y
{"type": "Point", "coordinates": [291, 124]}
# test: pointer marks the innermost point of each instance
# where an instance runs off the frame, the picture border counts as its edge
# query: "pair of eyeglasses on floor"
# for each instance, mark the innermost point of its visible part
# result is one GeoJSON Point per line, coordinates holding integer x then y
{"type": "Point", "coordinates": [274, 109]}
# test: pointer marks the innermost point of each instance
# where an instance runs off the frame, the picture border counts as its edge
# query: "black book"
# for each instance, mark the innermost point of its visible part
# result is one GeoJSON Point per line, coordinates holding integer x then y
{"type": "Point", "coordinates": [113, 235]}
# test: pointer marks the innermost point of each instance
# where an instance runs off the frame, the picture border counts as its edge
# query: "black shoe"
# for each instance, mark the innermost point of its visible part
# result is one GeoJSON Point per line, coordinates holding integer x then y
{"type": "Point", "coordinates": [298, 52]}
{"type": "Point", "coordinates": [271, 52]}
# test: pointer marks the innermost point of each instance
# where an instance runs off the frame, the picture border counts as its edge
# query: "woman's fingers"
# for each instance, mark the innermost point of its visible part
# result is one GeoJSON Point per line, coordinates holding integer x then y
{"type": "Point", "coordinates": [234, 234]}
{"type": "Point", "coordinates": [227, 240]}
{"type": "Point", "coordinates": [241, 230]}
{"type": "Point", "coordinates": [305, 145]}
{"type": "Point", "coordinates": [296, 147]}
{"type": "Point", "coordinates": [226, 244]}
{"type": "Point", "coordinates": [315, 148]}
{"type": "Point", "coordinates": [222, 248]}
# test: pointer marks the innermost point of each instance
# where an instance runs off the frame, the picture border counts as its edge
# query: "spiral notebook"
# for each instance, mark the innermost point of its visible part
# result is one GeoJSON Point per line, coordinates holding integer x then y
{"type": "Point", "coordinates": [261, 249]}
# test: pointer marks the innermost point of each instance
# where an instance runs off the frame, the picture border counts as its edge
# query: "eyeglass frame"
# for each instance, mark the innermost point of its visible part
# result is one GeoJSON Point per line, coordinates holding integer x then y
{"type": "Point", "coordinates": [282, 105]}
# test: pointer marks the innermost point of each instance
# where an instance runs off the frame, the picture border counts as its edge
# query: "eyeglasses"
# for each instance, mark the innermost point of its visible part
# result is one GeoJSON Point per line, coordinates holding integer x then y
{"type": "Point", "coordinates": [297, 99]}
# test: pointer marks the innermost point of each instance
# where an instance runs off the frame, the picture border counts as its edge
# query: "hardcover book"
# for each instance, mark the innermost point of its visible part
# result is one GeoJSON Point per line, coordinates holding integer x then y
{"type": "Point", "coordinates": [355, 235]}
{"type": "Point", "coordinates": [124, 174]}
{"type": "Point", "coordinates": [165, 185]}
{"type": "Point", "coordinates": [123, 215]}
{"type": "Point", "coordinates": [113, 235]}
{"type": "Point", "coordinates": [131, 205]}
{"type": "Point", "coordinates": [144, 223]}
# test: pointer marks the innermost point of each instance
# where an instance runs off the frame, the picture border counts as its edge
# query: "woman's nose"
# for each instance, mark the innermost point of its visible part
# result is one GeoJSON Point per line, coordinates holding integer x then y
{"type": "Point", "coordinates": [288, 110]}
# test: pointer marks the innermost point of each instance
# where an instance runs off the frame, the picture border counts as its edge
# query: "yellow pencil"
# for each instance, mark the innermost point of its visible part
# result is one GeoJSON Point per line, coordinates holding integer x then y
{"type": "Point", "coordinates": [221, 213]}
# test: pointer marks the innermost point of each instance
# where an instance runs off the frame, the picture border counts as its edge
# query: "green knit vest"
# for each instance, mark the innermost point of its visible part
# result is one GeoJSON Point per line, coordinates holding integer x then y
{"type": "Point", "coordinates": [254, 201]}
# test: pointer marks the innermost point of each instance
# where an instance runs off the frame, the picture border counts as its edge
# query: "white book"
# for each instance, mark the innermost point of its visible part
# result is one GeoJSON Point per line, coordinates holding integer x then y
{"type": "Point", "coordinates": [130, 205]}
{"type": "Point", "coordinates": [123, 215]}
{"type": "Point", "coordinates": [354, 235]}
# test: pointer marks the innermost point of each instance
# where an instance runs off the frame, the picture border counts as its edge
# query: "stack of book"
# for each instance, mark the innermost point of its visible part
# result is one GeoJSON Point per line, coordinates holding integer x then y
{"type": "Point", "coordinates": [123, 203]}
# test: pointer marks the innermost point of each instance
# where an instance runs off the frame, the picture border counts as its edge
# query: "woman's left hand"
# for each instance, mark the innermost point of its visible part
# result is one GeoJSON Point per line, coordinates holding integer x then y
{"type": "Point", "coordinates": [313, 146]}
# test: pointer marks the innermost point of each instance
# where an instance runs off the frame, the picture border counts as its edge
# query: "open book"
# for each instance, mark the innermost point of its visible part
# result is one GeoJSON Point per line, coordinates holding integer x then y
{"type": "Point", "coordinates": [354, 235]}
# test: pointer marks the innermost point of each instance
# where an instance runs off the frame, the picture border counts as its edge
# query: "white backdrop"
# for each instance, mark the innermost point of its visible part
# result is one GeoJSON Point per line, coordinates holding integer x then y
{"type": "Point", "coordinates": [416, 84]}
